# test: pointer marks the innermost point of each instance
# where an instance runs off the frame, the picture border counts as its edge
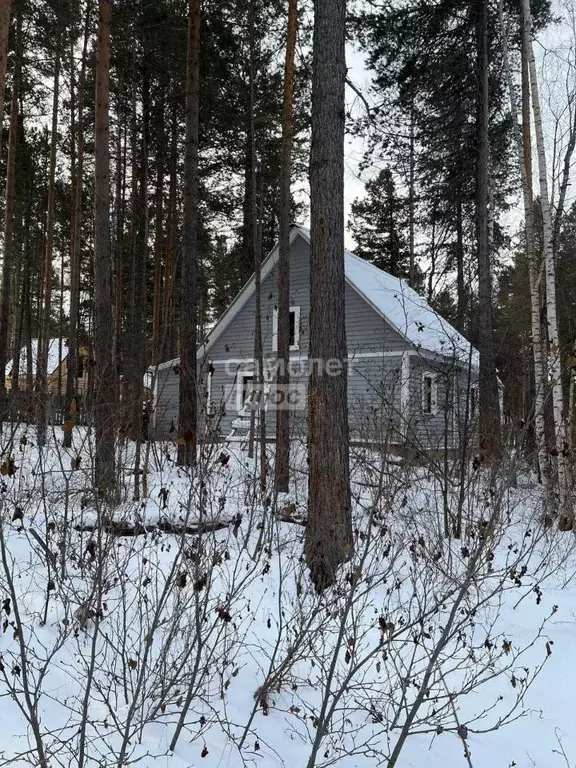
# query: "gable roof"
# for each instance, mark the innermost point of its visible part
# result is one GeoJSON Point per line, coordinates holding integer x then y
{"type": "Point", "coordinates": [54, 359]}
{"type": "Point", "coordinates": [400, 306]}
{"type": "Point", "coordinates": [407, 311]}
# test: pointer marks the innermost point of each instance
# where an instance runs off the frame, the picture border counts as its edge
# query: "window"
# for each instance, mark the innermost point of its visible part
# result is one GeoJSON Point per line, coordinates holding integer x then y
{"type": "Point", "coordinates": [80, 367]}
{"type": "Point", "coordinates": [245, 389]}
{"type": "Point", "coordinates": [429, 393]}
{"type": "Point", "coordinates": [294, 329]}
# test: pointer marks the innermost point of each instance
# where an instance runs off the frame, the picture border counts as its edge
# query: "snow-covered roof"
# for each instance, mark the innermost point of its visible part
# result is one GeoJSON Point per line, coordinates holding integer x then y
{"type": "Point", "coordinates": [392, 298]}
{"type": "Point", "coordinates": [53, 356]}
{"type": "Point", "coordinates": [406, 311]}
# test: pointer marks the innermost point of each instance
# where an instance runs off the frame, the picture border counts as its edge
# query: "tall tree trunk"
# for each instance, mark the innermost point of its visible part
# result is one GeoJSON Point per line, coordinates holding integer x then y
{"type": "Point", "coordinates": [23, 299]}
{"type": "Point", "coordinates": [282, 468]}
{"type": "Point", "coordinates": [120, 206]}
{"type": "Point", "coordinates": [5, 7]}
{"type": "Point", "coordinates": [140, 284]}
{"type": "Point", "coordinates": [158, 246]}
{"type": "Point", "coordinates": [460, 281]}
{"type": "Point", "coordinates": [329, 540]}
{"type": "Point", "coordinates": [188, 306]}
{"type": "Point", "coordinates": [75, 233]}
{"type": "Point", "coordinates": [9, 221]}
{"type": "Point", "coordinates": [258, 405]}
{"type": "Point", "coordinates": [104, 372]}
{"type": "Point", "coordinates": [129, 345]}
{"type": "Point", "coordinates": [524, 148]}
{"type": "Point", "coordinates": [490, 427]}
{"type": "Point", "coordinates": [412, 201]}
{"type": "Point", "coordinates": [554, 361]}
{"type": "Point", "coordinates": [167, 337]}
{"type": "Point", "coordinates": [44, 335]}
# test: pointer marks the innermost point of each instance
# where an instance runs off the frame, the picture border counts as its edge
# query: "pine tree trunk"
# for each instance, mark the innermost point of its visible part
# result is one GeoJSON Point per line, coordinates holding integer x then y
{"type": "Point", "coordinates": [104, 372]}
{"type": "Point", "coordinates": [22, 329]}
{"type": "Point", "coordinates": [460, 282]}
{"type": "Point", "coordinates": [75, 233]}
{"type": "Point", "coordinates": [158, 247]}
{"type": "Point", "coordinates": [140, 284]}
{"type": "Point", "coordinates": [282, 468]}
{"type": "Point", "coordinates": [167, 336]}
{"type": "Point", "coordinates": [329, 540]}
{"type": "Point", "coordinates": [118, 251]}
{"type": "Point", "coordinates": [5, 7]}
{"type": "Point", "coordinates": [412, 202]}
{"type": "Point", "coordinates": [489, 402]}
{"type": "Point", "coordinates": [6, 286]}
{"type": "Point", "coordinates": [44, 340]}
{"type": "Point", "coordinates": [554, 360]}
{"type": "Point", "coordinates": [187, 438]}
{"type": "Point", "coordinates": [129, 345]}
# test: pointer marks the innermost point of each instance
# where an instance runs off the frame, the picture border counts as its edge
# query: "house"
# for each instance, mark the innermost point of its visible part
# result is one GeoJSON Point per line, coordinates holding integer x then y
{"type": "Point", "coordinates": [411, 376]}
{"type": "Point", "coordinates": [57, 367]}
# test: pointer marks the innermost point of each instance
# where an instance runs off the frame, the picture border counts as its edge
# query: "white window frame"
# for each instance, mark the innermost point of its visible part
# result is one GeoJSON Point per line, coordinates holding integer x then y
{"type": "Point", "coordinates": [433, 377]}
{"type": "Point", "coordinates": [240, 385]}
{"type": "Point", "coordinates": [293, 347]}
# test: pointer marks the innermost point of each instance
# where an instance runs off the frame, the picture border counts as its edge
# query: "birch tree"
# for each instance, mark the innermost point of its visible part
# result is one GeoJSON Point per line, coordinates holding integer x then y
{"type": "Point", "coordinates": [523, 142]}
{"type": "Point", "coordinates": [554, 361]}
{"type": "Point", "coordinates": [329, 540]}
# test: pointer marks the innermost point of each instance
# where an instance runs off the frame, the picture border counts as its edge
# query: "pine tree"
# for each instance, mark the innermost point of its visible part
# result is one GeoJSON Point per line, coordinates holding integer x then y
{"type": "Point", "coordinates": [105, 379]}
{"type": "Point", "coordinates": [329, 539]}
{"type": "Point", "coordinates": [282, 465]}
{"type": "Point", "coordinates": [188, 304]}
{"type": "Point", "coordinates": [380, 226]}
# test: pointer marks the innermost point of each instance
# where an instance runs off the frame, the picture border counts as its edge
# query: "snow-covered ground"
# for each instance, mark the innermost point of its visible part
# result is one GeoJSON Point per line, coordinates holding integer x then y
{"type": "Point", "coordinates": [112, 643]}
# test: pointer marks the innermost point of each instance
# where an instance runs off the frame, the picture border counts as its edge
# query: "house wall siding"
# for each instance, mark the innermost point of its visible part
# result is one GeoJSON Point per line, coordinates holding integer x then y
{"type": "Point", "coordinates": [376, 351]}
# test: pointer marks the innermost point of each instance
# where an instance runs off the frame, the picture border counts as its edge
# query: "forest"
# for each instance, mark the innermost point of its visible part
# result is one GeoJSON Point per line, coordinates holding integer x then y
{"type": "Point", "coordinates": [369, 564]}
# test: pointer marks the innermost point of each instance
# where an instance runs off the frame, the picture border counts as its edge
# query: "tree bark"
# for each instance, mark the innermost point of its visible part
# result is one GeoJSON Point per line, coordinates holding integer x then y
{"type": "Point", "coordinates": [158, 247]}
{"type": "Point", "coordinates": [329, 540]}
{"type": "Point", "coordinates": [282, 466]}
{"type": "Point", "coordinates": [5, 7]}
{"type": "Point", "coordinates": [489, 402]}
{"type": "Point", "coordinates": [412, 202]}
{"type": "Point", "coordinates": [105, 384]}
{"type": "Point", "coordinates": [9, 222]}
{"type": "Point", "coordinates": [554, 360]}
{"type": "Point", "coordinates": [460, 282]}
{"type": "Point", "coordinates": [44, 336]}
{"type": "Point", "coordinates": [188, 308]}
{"type": "Point", "coordinates": [524, 148]}
{"type": "Point", "coordinates": [75, 233]}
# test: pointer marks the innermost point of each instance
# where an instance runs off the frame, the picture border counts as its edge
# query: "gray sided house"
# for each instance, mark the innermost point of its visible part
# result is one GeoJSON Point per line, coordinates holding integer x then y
{"type": "Point", "coordinates": [411, 375]}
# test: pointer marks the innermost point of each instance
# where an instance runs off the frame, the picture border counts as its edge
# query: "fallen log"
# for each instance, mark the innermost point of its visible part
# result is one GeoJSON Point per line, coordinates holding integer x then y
{"type": "Point", "coordinates": [139, 529]}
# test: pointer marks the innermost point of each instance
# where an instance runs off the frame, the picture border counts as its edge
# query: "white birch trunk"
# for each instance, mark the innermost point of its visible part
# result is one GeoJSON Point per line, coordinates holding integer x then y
{"type": "Point", "coordinates": [555, 369]}
{"type": "Point", "coordinates": [522, 143]}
